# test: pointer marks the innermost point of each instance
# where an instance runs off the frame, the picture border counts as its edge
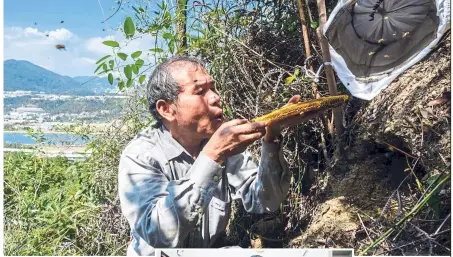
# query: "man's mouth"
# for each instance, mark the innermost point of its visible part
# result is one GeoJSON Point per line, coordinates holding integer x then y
{"type": "Point", "coordinates": [218, 116]}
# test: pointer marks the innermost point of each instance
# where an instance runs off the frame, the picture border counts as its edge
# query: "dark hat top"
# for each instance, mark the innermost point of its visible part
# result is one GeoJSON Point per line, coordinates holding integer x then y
{"type": "Point", "coordinates": [375, 36]}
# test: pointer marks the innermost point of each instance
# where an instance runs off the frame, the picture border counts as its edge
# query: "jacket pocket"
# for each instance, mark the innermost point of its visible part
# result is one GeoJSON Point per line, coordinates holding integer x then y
{"type": "Point", "coordinates": [219, 214]}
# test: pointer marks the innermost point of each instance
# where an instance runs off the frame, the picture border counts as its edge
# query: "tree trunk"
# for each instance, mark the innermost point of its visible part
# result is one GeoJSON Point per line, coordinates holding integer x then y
{"type": "Point", "coordinates": [181, 14]}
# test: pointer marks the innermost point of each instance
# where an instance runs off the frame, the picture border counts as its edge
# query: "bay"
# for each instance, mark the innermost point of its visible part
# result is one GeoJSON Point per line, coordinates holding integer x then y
{"type": "Point", "coordinates": [59, 139]}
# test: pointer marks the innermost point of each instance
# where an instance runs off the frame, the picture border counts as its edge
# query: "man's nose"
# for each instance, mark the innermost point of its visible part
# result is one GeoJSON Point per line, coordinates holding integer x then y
{"type": "Point", "coordinates": [214, 98]}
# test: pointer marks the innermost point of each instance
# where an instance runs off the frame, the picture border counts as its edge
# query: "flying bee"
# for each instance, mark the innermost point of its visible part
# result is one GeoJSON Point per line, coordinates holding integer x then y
{"type": "Point", "coordinates": [60, 47]}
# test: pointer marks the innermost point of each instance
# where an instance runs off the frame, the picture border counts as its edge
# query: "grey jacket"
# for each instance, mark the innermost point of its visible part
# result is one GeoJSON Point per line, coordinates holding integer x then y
{"type": "Point", "coordinates": [172, 200]}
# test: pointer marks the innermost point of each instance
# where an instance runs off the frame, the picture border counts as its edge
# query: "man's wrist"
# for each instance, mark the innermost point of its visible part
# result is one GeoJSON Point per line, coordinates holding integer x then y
{"type": "Point", "coordinates": [272, 136]}
{"type": "Point", "coordinates": [215, 156]}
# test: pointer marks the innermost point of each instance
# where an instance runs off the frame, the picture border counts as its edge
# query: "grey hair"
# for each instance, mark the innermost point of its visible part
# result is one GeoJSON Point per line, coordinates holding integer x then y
{"type": "Point", "coordinates": [162, 86]}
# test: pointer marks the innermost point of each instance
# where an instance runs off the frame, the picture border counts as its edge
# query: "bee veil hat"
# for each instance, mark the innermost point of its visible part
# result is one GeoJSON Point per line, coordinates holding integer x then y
{"type": "Point", "coordinates": [373, 41]}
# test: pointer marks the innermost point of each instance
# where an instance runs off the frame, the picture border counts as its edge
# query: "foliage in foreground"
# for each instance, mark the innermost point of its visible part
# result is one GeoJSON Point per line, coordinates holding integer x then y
{"type": "Point", "coordinates": [47, 201]}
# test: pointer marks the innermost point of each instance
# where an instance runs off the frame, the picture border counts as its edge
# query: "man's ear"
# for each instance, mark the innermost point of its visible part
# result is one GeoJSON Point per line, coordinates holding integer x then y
{"type": "Point", "coordinates": [165, 110]}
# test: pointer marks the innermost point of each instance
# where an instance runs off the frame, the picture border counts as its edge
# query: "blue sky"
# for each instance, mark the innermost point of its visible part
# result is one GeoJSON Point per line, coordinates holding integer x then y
{"type": "Point", "coordinates": [82, 33]}
{"type": "Point", "coordinates": [82, 17]}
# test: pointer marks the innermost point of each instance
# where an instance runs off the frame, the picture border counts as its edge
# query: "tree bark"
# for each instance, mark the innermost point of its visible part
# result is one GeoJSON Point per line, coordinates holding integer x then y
{"type": "Point", "coordinates": [181, 14]}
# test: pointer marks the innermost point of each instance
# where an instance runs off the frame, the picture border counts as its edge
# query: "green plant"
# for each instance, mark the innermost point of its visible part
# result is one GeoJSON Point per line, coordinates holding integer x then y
{"type": "Point", "coordinates": [47, 203]}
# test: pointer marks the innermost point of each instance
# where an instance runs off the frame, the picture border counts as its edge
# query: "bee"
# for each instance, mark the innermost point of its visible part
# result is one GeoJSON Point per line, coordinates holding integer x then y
{"type": "Point", "coordinates": [60, 47]}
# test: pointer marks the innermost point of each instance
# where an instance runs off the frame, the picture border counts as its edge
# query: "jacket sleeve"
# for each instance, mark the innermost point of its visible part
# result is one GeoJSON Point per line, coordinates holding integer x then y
{"type": "Point", "coordinates": [261, 188]}
{"type": "Point", "coordinates": [160, 211]}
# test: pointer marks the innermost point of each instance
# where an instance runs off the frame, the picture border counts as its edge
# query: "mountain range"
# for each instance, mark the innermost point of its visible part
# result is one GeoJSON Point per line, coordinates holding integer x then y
{"type": "Point", "coordinates": [26, 76]}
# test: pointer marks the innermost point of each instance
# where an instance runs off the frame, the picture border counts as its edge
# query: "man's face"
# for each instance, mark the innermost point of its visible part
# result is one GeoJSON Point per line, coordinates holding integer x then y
{"type": "Point", "coordinates": [198, 107]}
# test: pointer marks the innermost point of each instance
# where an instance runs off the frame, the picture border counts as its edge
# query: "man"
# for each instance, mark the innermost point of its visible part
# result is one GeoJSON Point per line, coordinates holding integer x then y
{"type": "Point", "coordinates": [177, 178]}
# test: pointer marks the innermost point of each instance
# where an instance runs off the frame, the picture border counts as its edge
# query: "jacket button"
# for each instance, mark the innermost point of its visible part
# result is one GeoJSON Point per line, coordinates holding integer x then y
{"type": "Point", "coordinates": [216, 178]}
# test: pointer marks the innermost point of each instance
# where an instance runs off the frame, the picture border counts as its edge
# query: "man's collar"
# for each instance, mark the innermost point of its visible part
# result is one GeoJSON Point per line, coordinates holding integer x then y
{"type": "Point", "coordinates": [171, 147]}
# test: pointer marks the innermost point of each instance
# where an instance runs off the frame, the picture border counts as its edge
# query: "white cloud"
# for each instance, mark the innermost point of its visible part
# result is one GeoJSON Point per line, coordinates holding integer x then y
{"type": "Point", "coordinates": [80, 56]}
{"type": "Point", "coordinates": [61, 34]}
{"type": "Point", "coordinates": [95, 45]}
{"type": "Point", "coordinates": [87, 60]}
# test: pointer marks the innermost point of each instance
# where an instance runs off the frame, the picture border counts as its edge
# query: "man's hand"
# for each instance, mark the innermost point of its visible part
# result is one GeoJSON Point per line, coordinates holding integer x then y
{"type": "Point", "coordinates": [273, 130]}
{"type": "Point", "coordinates": [233, 137]}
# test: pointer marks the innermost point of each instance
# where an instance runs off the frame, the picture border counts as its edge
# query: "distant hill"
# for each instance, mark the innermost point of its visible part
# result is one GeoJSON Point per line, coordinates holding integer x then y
{"type": "Point", "coordinates": [24, 75]}
{"type": "Point", "coordinates": [96, 84]}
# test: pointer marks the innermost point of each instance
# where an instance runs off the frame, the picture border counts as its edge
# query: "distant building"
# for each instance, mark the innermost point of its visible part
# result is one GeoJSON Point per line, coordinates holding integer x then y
{"type": "Point", "coordinates": [30, 109]}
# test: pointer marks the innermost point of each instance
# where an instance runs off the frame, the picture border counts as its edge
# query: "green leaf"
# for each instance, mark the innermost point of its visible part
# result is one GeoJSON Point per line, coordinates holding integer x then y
{"type": "Point", "coordinates": [434, 201]}
{"type": "Point", "coordinates": [111, 43]}
{"type": "Point", "coordinates": [171, 47]}
{"type": "Point", "coordinates": [122, 56]}
{"type": "Point", "coordinates": [129, 83]}
{"type": "Point", "coordinates": [111, 64]}
{"type": "Point", "coordinates": [228, 111]}
{"type": "Point", "coordinates": [157, 50]}
{"type": "Point", "coordinates": [129, 27]}
{"type": "Point", "coordinates": [135, 9]}
{"type": "Point", "coordinates": [141, 9]}
{"type": "Point", "coordinates": [104, 67]}
{"type": "Point", "coordinates": [144, 101]}
{"type": "Point", "coordinates": [314, 24]}
{"type": "Point", "coordinates": [296, 73]}
{"type": "Point", "coordinates": [289, 80]}
{"type": "Point", "coordinates": [139, 63]}
{"type": "Point", "coordinates": [128, 71]}
{"type": "Point", "coordinates": [167, 36]}
{"type": "Point", "coordinates": [102, 59]}
{"type": "Point", "coordinates": [167, 19]}
{"type": "Point", "coordinates": [135, 69]}
{"type": "Point", "coordinates": [110, 77]}
{"type": "Point", "coordinates": [99, 67]}
{"type": "Point", "coordinates": [141, 79]}
{"type": "Point", "coordinates": [136, 54]}
{"type": "Point", "coordinates": [121, 85]}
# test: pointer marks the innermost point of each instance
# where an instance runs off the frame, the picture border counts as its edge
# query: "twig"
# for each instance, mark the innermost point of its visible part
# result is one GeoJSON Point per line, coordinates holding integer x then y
{"type": "Point", "coordinates": [119, 7]}
{"type": "Point", "coordinates": [366, 231]}
{"type": "Point", "coordinates": [441, 232]}
{"type": "Point", "coordinates": [309, 12]}
{"type": "Point", "coordinates": [443, 159]}
{"type": "Point", "coordinates": [400, 204]}
{"type": "Point", "coordinates": [443, 223]}
{"type": "Point", "coordinates": [399, 150]}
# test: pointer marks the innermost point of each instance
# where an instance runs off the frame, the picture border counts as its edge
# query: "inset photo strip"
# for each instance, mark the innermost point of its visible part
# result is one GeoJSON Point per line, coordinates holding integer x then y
{"type": "Point", "coordinates": [238, 252]}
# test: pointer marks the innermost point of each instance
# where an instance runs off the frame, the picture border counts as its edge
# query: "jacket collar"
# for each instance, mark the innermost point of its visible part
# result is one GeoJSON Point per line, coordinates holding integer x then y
{"type": "Point", "coordinates": [170, 146]}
